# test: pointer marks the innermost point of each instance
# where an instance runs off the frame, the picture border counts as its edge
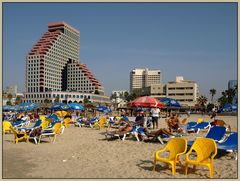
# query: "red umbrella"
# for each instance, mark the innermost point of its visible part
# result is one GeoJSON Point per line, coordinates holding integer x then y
{"type": "Point", "coordinates": [146, 101]}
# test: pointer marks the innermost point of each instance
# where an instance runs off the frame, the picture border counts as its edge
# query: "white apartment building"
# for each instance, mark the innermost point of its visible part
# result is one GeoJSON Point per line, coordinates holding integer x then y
{"type": "Point", "coordinates": [53, 64]}
{"type": "Point", "coordinates": [142, 78]}
{"type": "Point", "coordinates": [184, 91]}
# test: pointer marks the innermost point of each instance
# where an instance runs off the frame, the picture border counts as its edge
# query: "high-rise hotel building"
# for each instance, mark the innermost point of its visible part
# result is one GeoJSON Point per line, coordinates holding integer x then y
{"type": "Point", "coordinates": [142, 78]}
{"type": "Point", "coordinates": [53, 68]}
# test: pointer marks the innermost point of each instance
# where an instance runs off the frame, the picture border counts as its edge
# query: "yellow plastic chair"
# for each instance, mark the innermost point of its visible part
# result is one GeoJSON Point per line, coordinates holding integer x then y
{"type": "Point", "coordinates": [58, 113]}
{"type": "Point", "coordinates": [101, 123]}
{"type": "Point", "coordinates": [6, 126]}
{"type": "Point", "coordinates": [64, 113]}
{"type": "Point", "coordinates": [206, 150]}
{"type": "Point", "coordinates": [66, 122]}
{"type": "Point", "coordinates": [199, 120]}
{"type": "Point", "coordinates": [176, 147]}
{"type": "Point", "coordinates": [44, 124]}
{"type": "Point", "coordinates": [42, 117]}
{"type": "Point", "coordinates": [18, 135]}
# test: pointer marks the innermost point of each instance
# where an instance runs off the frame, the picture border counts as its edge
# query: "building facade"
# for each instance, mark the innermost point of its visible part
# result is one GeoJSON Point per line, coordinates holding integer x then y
{"type": "Point", "coordinates": [184, 91]}
{"type": "Point", "coordinates": [53, 65]}
{"type": "Point", "coordinates": [11, 90]}
{"type": "Point", "coordinates": [142, 78]}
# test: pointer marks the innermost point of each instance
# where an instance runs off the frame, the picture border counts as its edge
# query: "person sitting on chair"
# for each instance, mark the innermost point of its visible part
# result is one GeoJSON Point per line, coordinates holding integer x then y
{"type": "Point", "coordinates": [173, 123]}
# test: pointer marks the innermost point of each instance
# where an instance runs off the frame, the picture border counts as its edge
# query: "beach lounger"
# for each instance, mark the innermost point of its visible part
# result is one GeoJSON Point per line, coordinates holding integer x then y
{"type": "Point", "coordinates": [101, 123]}
{"type": "Point", "coordinates": [123, 135]}
{"type": "Point", "coordinates": [199, 126]}
{"type": "Point", "coordinates": [51, 132]}
{"type": "Point", "coordinates": [25, 129]}
{"type": "Point", "coordinates": [159, 138]}
{"type": "Point", "coordinates": [20, 123]}
{"type": "Point", "coordinates": [216, 133]}
{"type": "Point", "coordinates": [230, 144]}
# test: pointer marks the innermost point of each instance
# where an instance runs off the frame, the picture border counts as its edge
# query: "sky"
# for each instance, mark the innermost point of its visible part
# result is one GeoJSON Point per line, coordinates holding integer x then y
{"type": "Point", "coordinates": [195, 40]}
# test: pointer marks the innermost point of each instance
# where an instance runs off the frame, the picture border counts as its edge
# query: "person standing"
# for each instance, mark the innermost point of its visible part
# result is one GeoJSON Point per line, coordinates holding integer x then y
{"type": "Point", "coordinates": [155, 115]}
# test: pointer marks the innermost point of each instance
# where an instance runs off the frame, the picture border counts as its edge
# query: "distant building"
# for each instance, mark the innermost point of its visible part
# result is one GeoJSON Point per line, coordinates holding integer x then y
{"type": "Point", "coordinates": [11, 90]}
{"type": "Point", "coordinates": [53, 66]}
{"type": "Point", "coordinates": [142, 78]}
{"type": "Point", "coordinates": [184, 91]}
{"type": "Point", "coordinates": [119, 96]}
{"type": "Point", "coordinates": [232, 84]}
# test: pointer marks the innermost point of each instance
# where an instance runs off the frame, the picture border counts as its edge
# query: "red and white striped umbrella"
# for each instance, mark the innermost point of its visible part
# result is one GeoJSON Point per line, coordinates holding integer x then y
{"type": "Point", "coordinates": [146, 101]}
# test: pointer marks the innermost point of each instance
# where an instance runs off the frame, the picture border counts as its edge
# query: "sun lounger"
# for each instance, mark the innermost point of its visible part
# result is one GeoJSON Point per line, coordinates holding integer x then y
{"type": "Point", "coordinates": [230, 144]}
{"type": "Point", "coordinates": [216, 133]}
{"type": "Point", "coordinates": [198, 127]}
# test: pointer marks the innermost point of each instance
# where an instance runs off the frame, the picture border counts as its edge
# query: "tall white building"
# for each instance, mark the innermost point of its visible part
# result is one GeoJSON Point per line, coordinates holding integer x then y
{"type": "Point", "coordinates": [53, 64]}
{"type": "Point", "coordinates": [142, 78]}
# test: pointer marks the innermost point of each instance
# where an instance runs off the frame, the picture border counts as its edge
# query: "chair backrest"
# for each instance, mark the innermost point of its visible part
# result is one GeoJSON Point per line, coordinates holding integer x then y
{"type": "Point", "coordinates": [42, 117]}
{"type": "Point", "coordinates": [6, 126]}
{"type": "Point", "coordinates": [202, 125]}
{"type": "Point", "coordinates": [216, 132]}
{"type": "Point", "coordinates": [14, 131]}
{"type": "Point", "coordinates": [176, 146]}
{"type": "Point", "coordinates": [199, 120]}
{"type": "Point", "coordinates": [53, 117]}
{"type": "Point", "coordinates": [102, 121]}
{"type": "Point", "coordinates": [205, 148]}
{"type": "Point", "coordinates": [183, 121]}
{"type": "Point", "coordinates": [191, 124]}
{"type": "Point", "coordinates": [38, 123]}
{"type": "Point", "coordinates": [44, 124]}
{"type": "Point", "coordinates": [57, 127]}
{"type": "Point", "coordinates": [66, 121]}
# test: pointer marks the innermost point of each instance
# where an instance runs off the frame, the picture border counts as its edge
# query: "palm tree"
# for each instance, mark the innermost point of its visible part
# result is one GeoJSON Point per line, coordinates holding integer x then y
{"type": "Point", "coordinates": [202, 100]}
{"type": "Point", "coordinates": [212, 92]}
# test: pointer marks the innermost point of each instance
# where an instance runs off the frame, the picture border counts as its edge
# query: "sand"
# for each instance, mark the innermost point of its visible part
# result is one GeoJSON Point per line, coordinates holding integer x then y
{"type": "Point", "coordinates": [85, 153]}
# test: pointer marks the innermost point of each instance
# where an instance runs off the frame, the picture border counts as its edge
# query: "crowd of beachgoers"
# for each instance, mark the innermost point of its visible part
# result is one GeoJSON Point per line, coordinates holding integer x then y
{"type": "Point", "coordinates": [110, 145]}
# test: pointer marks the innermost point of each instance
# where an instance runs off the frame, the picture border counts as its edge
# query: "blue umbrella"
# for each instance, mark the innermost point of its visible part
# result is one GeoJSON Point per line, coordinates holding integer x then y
{"type": "Point", "coordinates": [103, 109]}
{"type": "Point", "coordinates": [229, 108]}
{"type": "Point", "coordinates": [169, 102]}
{"type": "Point", "coordinates": [27, 106]}
{"type": "Point", "coordinates": [7, 108]}
{"type": "Point", "coordinates": [60, 106]}
{"type": "Point", "coordinates": [75, 106]}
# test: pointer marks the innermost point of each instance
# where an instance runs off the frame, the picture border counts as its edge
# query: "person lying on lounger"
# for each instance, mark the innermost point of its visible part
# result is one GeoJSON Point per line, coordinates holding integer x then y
{"type": "Point", "coordinates": [123, 130]}
{"type": "Point", "coordinates": [154, 134]}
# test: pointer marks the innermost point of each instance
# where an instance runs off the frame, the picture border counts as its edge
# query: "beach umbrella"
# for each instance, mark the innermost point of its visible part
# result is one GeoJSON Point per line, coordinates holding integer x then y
{"type": "Point", "coordinates": [75, 106]}
{"type": "Point", "coordinates": [169, 102]}
{"type": "Point", "coordinates": [146, 101]}
{"type": "Point", "coordinates": [103, 109]}
{"type": "Point", "coordinates": [229, 108]}
{"type": "Point", "coordinates": [27, 106]}
{"type": "Point", "coordinates": [7, 108]}
{"type": "Point", "coordinates": [60, 106]}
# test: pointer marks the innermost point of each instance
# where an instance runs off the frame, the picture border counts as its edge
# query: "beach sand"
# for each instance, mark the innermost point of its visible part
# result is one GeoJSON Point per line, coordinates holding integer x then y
{"type": "Point", "coordinates": [85, 153]}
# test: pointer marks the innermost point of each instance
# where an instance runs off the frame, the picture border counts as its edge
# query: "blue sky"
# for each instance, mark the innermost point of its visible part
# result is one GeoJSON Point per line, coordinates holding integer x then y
{"type": "Point", "coordinates": [195, 40]}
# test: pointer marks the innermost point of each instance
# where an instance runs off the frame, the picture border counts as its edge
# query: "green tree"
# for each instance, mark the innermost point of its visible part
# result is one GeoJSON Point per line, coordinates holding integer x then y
{"type": "Point", "coordinates": [126, 94]}
{"type": "Point", "coordinates": [86, 100]}
{"type": "Point", "coordinates": [202, 100]}
{"type": "Point", "coordinates": [18, 100]}
{"type": "Point", "coordinates": [96, 92]}
{"type": "Point", "coordinates": [212, 92]}
{"type": "Point", "coordinates": [9, 96]}
{"type": "Point", "coordinates": [9, 103]}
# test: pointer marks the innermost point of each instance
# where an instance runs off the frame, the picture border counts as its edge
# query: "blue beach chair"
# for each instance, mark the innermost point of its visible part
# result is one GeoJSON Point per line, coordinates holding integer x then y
{"type": "Point", "coordinates": [199, 126]}
{"type": "Point", "coordinates": [230, 144]}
